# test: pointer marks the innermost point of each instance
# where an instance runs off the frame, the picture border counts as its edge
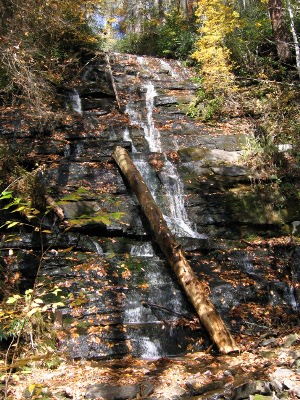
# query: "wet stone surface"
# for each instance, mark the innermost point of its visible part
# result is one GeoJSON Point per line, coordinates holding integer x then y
{"type": "Point", "coordinates": [120, 298]}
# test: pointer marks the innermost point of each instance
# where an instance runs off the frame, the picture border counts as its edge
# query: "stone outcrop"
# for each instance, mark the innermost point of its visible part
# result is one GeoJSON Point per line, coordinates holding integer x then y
{"type": "Point", "coordinates": [119, 295]}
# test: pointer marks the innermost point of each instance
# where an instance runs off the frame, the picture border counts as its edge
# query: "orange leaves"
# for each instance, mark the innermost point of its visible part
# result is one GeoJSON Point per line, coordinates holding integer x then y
{"type": "Point", "coordinates": [125, 273]}
{"type": "Point", "coordinates": [77, 312]}
{"type": "Point", "coordinates": [236, 278]}
{"type": "Point", "coordinates": [156, 163]}
{"type": "Point", "coordinates": [143, 286]}
{"type": "Point", "coordinates": [173, 156]}
{"type": "Point", "coordinates": [93, 330]}
{"type": "Point", "coordinates": [73, 333]}
{"type": "Point", "coordinates": [98, 268]}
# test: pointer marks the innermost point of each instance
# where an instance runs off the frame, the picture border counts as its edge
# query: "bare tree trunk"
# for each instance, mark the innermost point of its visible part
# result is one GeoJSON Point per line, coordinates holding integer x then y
{"type": "Point", "coordinates": [280, 31]}
{"type": "Point", "coordinates": [197, 292]}
{"type": "Point", "coordinates": [184, 6]}
{"type": "Point", "coordinates": [160, 7]}
{"type": "Point", "coordinates": [295, 37]}
{"type": "Point", "coordinates": [112, 80]}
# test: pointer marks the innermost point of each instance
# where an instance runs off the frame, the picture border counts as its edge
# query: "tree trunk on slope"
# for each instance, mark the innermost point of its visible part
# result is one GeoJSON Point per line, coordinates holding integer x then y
{"type": "Point", "coordinates": [280, 31]}
{"type": "Point", "coordinates": [197, 292]}
{"type": "Point", "coordinates": [295, 36]}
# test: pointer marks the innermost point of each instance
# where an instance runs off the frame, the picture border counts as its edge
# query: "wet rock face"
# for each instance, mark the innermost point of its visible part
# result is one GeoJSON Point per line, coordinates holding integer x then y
{"type": "Point", "coordinates": [118, 392]}
{"type": "Point", "coordinates": [119, 295]}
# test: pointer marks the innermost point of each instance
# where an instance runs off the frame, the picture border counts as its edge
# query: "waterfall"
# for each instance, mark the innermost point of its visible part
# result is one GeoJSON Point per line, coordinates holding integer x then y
{"type": "Point", "coordinates": [178, 220]}
{"type": "Point", "coordinates": [150, 349]}
{"type": "Point", "coordinates": [150, 177]}
{"type": "Point", "coordinates": [169, 68]}
{"type": "Point", "coordinates": [98, 248]}
{"type": "Point", "coordinates": [142, 312]}
{"type": "Point", "coordinates": [142, 250]}
{"type": "Point", "coordinates": [172, 201]}
{"type": "Point", "coordinates": [152, 135]}
{"type": "Point", "coordinates": [75, 101]}
{"type": "Point", "coordinates": [127, 138]}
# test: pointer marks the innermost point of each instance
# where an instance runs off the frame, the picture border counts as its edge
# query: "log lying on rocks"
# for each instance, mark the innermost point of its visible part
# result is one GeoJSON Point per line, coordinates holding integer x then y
{"type": "Point", "coordinates": [58, 211]}
{"type": "Point", "coordinates": [196, 291]}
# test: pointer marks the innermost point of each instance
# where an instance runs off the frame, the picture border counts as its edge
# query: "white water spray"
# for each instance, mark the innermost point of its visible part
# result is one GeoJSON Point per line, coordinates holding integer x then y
{"type": "Point", "coordinates": [152, 135]}
{"type": "Point", "coordinates": [127, 138]}
{"type": "Point", "coordinates": [176, 215]}
{"type": "Point", "coordinates": [178, 220]}
{"type": "Point", "coordinates": [142, 250]}
{"type": "Point", "coordinates": [75, 101]}
{"type": "Point", "coordinates": [150, 350]}
{"type": "Point", "coordinates": [172, 201]}
{"type": "Point", "coordinates": [165, 65]}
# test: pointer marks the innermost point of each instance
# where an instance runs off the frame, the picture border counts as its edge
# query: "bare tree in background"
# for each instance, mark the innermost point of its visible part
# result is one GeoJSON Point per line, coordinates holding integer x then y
{"type": "Point", "coordinates": [280, 29]}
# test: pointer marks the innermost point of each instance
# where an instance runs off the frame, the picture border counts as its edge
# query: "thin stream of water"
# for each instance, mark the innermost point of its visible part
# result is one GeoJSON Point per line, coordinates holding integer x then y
{"type": "Point", "coordinates": [175, 212]}
{"type": "Point", "coordinates": [75, 101]}
{"type": "Point", "coordinates": [167, 190]}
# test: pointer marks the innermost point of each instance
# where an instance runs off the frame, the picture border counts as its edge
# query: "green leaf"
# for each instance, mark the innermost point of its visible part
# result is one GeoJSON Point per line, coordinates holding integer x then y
{"type": "Point", "coordinates": [11, 237]}
{"type": "Point", "coordinates": [27, 371]}
{"type": "Point", "coordinates": [5, 195]}
{"type": "Point", "coordinates": [13, 299]}
{"type": "Point", "coordinates": [38, 301]}
{"type": "Point", "coordinates": [29, 216]}
{"type": "Point", "coordinates": [56, 305]}
{"type": "Point", "coordinates": [21, 208]}
{"type": "Point", "coordinates": [117, 215]}
{"type": "Point", "coordinates": [56, 290]}
{"type": "Point", "coordinates": [82, 190]}
{"type": "Point", "coordinates": [33, 311]}
{"type": "Point", "coordinates": [111, 255]}
{"type": "Point", "coordinates": [8, 206]}
{"type": "Point", "coordinates": [105, 219]}
{"type": "Point", "coordinates": [13, 223]}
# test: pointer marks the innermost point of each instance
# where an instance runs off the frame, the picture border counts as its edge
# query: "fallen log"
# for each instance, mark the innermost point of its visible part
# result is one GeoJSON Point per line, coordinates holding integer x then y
{"type": "Point", "coordinates": [56, 209]}
{"type": "Point", "coordinates": [196, 291]}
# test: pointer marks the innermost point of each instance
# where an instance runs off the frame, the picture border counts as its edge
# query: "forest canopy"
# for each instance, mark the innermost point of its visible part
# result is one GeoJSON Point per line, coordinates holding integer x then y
{"type": "Point", "coordinates": [43, 42]}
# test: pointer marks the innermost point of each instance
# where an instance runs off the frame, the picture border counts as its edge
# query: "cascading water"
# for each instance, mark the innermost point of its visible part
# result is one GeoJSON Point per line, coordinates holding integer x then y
{"type": "Point", "coordinates": [167, 190]}
{"type": "Point", "coordinates": [158, 306]}
{"type": "Point", "coordinates": [98, 248]}
{"type": "Point", "coordinates": [142, 250]}
{"type": "Point", "coordinates": [149, 176]}
{"type": "Point", "coordinates": [75, 101]}
{"type": "Point", "coordinates": [127, 138]}
{"type": "Point", "coordinates": [175, 212]}
{"type": "Point", "coordinates": [152, 135]}
{"type": "Point", "coordinates": [178, 221]}
{"type": "Point", "coordinates": [169, 68]}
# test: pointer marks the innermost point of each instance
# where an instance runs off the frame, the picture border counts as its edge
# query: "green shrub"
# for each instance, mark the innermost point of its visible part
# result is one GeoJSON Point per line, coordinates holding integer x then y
{"type": "Point", "coordinates": [251, 45]}
{"type": "Point", "coordinates": [206, 107]}
{"type": "Point", "coordinates": [173, 38]}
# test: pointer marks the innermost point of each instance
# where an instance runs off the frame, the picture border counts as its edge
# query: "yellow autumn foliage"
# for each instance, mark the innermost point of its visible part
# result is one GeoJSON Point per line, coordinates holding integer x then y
{"type": "Point", "coordinates": [216, 20]}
